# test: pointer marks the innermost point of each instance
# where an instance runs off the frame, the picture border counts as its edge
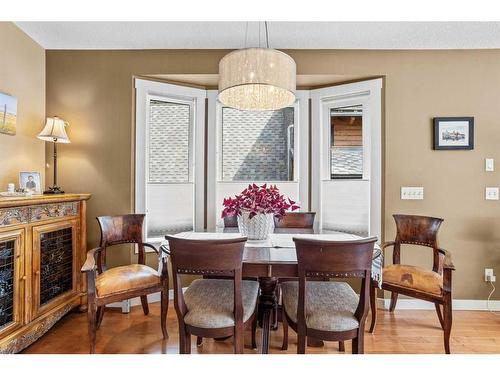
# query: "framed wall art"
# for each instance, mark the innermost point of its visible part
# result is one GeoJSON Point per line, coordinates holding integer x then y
{"type": "Point", "coordinates": [8, 114]}
{"type": "Point", "coordinates": [453, 133]}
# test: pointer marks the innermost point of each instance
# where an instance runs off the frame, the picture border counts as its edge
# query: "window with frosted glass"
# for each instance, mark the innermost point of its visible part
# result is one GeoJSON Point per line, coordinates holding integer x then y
{"type": "Point", "coordinates": [257, 146]}
{"type": "Point", "coordinates": [168, 142]}
{"type": "Point", "coordinates": [346, 149]}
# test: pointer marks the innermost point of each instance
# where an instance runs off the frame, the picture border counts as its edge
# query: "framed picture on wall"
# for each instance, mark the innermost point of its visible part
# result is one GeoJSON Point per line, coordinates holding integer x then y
{"type": "Point", "coordinates": [453, 133]}
{"type": "Point", "coordinates": [8, 114]}
{"type": "Point", "coordinates": [31, 181]}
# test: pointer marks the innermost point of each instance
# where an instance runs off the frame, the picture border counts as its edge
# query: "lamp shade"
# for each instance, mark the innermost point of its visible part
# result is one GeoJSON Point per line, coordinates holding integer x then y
{"type": "Point", "coordinates": [258, 79]}
{"type": "Point", "coordinates": [54, 131]}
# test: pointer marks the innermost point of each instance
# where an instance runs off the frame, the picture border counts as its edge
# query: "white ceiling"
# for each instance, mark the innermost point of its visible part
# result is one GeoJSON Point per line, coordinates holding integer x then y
{"type": "Point", "coordinates": [282, 35]}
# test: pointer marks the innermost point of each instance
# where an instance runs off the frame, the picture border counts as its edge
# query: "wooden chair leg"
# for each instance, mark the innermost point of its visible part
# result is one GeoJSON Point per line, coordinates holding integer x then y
{"type": "Point", "coordinates": [373, 306]}
{"type": "Point", "coordinates": [163, 314]}
{"type": "Point", "coordinates": [301, 342]}
{"type": "Point", "coordinates": [182, 339]}
{"type": "Point", "coordinates": [439, 314]}
{"type": "Point", "coordinates": [92, 325]}
{"type": "Point", "coordinates": [238, 340]}
{"type": "Point", "coordinates": [394, 300]}
{"type": "Point", "coordinates": [361, 342]}
{"type": "Point", "coordinates": [100, 315]}
{"type": "Point", "coordinates": [284, 345]}
{"type": "Point", "coordinates": [358, 343]}
{"type": "Point", "coordinates": [186, 343]}
{"type": "Point", "coordinates": [355, 343]}
{"type": "Point", "coordinates": [199, 341]}
{"type": "Point", "coordinates": [341, 346]}
{"type": "Point", "coordinates": [447, 319]}
{"type": "Point", "coordinates": [144, 302]}
{"type": "Point", "coordinates": [254, 332]}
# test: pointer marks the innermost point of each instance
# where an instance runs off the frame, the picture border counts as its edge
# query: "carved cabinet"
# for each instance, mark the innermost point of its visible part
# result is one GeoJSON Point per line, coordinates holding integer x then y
{"type": "Point", "coordinates": [42, 248]}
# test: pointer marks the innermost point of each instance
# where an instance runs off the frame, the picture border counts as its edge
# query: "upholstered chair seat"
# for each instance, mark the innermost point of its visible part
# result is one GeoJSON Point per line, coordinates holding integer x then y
{"type": "Point", "coordinates": [105, 286]}
{"type": "Point", "coordinates": [414, 278]}
{"type": "Point", "coordinates": [329, 306]}
{"type": "Point", "coordinates": [412, 281]}
{"type": "Point", "coordinates": [125, 278]}
{"type": "Point", "coordinates": [210, 302]}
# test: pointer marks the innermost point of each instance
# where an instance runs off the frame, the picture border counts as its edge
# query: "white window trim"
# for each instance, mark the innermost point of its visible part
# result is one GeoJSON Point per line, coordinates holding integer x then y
{"type": "Point", "coordinates": [369, 93]}
{"type": "Point", "coordinates": [146, 89]}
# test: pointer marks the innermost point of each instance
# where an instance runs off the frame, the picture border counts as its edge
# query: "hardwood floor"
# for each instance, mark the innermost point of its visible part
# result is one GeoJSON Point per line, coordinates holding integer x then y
{"type": "Point", "coordinates": [404, 331]}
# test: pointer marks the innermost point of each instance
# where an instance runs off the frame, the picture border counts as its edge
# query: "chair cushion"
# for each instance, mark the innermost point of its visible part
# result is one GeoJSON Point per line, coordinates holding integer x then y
{"type": "Point", "coordinates": [210, 302]}
{"type": "Point", "coordinates": [125, 278]}
{"type": "Point", "coordinates": [330, 306]}
{"type": "Point", "coordinates": [413, 278]}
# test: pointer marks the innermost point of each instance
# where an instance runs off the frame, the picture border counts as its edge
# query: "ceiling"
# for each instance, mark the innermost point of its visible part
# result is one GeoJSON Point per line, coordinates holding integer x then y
{"type": "Point", "coordinates": [282, 35]}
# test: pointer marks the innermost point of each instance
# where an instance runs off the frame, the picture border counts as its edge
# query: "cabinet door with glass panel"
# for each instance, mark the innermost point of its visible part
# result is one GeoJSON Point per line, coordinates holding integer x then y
{"type": "Point", "coordinates": [55, 273]}
{"type": "Point", "coordinates": [12, 280]}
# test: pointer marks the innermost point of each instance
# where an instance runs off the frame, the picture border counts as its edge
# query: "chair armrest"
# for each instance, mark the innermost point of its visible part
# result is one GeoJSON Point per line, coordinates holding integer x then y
{"type": "Point", "coordinates": [385, 245]}
{"type": "Point", "coordinates": [90, 262]}
{"type": "Point", "coordinates": [151, 247]}
{"type": "Point", "coordinates": [447, 262]}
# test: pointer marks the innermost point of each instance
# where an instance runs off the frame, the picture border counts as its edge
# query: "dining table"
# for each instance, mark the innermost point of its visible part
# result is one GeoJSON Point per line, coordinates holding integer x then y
{"type": "Point", "coordinates": [274, 258]}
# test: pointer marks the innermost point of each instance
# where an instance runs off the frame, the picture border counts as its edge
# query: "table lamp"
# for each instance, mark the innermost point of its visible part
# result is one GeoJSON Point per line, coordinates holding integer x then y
{"type": "Point", "coordinates": [54, 132]}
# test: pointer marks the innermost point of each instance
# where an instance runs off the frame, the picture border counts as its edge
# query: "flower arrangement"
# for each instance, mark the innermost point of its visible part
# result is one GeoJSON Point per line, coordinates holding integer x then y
{"type": "Point", "coordinates": [258, 200]}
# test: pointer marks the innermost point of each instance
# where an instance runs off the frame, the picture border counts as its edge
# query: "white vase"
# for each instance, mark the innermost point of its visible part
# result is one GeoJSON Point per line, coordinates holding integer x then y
{"type": "Point", "coordinates": [258, 227]}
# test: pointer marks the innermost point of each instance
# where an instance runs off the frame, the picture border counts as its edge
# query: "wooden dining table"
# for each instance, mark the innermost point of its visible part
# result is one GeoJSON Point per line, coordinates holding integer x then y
{"type": "Point", "coordinates": [275, 258]}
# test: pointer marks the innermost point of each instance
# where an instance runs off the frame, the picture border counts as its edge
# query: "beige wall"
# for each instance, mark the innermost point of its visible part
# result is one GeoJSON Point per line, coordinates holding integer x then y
{"type": "Point", "coordinates": [22, 74]}
{"type": "Point", "coordinates": [93, 90]}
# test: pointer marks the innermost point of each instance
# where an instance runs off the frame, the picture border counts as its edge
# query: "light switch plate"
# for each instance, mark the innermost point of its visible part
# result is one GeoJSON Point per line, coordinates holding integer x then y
{"type": "Point", "coordinates": [489, 165]}
{"type": "Point", "coordinates": [491, 194]}
{"type": "Point", "coordinates": [412, 192]}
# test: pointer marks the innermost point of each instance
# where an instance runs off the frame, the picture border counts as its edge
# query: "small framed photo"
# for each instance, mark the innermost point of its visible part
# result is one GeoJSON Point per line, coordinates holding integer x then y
{"type": "Point", "coordinates": [31, 181]}
{"type": "Point", "coordinates": [453, 133]}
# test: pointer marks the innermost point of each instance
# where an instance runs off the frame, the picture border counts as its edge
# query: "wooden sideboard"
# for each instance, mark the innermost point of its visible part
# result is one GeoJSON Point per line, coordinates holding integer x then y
{"type": "Point", "coordinates": [42, 248]}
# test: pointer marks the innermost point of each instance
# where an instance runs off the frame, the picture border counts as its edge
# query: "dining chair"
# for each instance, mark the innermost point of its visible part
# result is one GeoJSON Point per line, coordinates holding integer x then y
{"type": "Point", "coordinates": [213, 307]}
{"type": "Point", "coordinates": [303, 220]}
{"type": "Point", "coordinates": [116, 284]}
{"type": "Point", "coordinates": [329, 310]}
{"type": "Point", "coordinates": [417, 282]}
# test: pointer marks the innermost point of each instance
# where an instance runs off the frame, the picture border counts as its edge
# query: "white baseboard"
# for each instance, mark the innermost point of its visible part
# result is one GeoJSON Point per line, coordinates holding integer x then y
{"type": "Point", "coordinates": [403, 303]}
{"type": "Point", "coordinates": [458, 304]}
{"type": "Point", "coordinates": [154, 297]}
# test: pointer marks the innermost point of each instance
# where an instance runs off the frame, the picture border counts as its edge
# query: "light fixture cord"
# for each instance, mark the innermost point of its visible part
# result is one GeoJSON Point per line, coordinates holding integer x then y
{"type": "Point", "coordinates": [267, 34]}
{"type": "Point", "coordinates": [259, 34]}
{"type": "Point", "coordinates": [246, 35]}
{"type": "Point", "coordinates": [488, 300]}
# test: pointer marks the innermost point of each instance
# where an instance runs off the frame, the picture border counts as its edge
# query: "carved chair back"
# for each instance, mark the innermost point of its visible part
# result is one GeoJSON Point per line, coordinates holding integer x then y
{"type": "Point", "coordinates": [116, 230]}
{"type": "Point", "coordinates": [418, 230]}
{"type": "Point", "coordinates": [335, 259]}
{"type": "Point", "coordinates": [207, 258]}
{"type": "Point", "coordinates": [296, 220]}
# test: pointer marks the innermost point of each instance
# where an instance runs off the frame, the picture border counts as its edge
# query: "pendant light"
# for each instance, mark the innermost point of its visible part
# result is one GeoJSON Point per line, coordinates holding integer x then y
{"type": "Point", "coordinates": [257, 79]}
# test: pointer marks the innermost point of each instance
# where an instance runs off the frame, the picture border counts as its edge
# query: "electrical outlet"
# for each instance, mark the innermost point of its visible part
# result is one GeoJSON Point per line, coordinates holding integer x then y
{"type": "Point", "coordinates": [491, 193]}
{"type": "Point", "coordinates": [412, 192]}
{"type": "Point", "coordinates": [489, 275]}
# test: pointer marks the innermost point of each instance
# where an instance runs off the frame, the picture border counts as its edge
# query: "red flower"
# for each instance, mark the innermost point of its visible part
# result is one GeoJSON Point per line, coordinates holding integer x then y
{"type": "Point", "coordinates": [258, 200]}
